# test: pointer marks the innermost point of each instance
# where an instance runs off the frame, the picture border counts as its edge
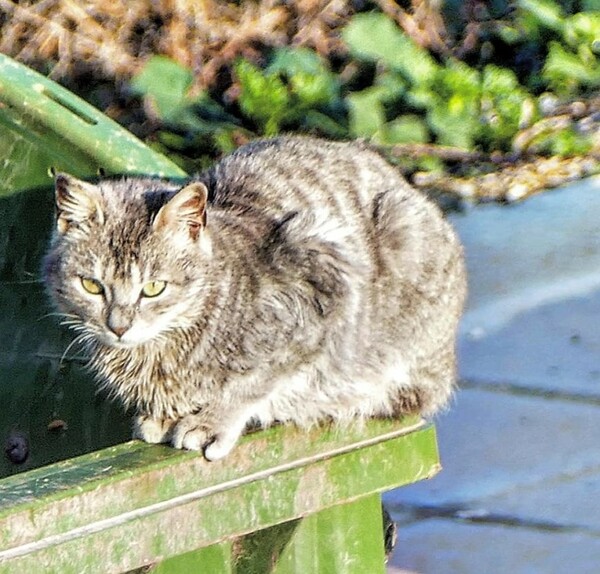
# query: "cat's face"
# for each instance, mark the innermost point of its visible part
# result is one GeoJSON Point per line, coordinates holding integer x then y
{"type": "Point", "coordinates": [126, 262]}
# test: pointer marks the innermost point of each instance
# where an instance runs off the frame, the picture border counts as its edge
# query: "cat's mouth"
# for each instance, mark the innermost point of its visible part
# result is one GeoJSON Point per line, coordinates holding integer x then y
{"type": "Point", "coordinates": [119, 344]}
{"type": "Point", "coordinates": [124, 341]}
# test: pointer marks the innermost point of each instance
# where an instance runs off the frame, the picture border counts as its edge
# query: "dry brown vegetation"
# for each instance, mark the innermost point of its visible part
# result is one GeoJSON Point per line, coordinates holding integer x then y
{"type": "Point", "coordinates": [115, 37]}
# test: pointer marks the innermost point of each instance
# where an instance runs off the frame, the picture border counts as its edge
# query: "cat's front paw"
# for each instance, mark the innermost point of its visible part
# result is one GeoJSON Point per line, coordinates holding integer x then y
{"type": "Point", "coordinates": [153, 430]}
{"type": "Point", "coordinates": [194, 432]}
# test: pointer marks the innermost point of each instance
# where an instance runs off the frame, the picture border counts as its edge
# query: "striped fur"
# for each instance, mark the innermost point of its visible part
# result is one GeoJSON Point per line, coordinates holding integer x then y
{"type": "Point", "coordinates": [306, 281]}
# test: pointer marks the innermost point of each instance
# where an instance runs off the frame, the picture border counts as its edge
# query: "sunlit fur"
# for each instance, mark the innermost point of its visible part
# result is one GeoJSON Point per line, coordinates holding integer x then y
{"type": "Point", "coordinates": [316, 284]}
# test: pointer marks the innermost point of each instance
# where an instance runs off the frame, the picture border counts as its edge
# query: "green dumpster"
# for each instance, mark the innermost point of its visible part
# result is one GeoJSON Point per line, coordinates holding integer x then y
{"type": "Point", "coordinates": [86, 500]}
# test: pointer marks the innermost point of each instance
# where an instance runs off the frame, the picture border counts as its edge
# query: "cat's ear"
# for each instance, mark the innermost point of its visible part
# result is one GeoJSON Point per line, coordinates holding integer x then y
{"type": "Point", "coordinates": [185, 211]}
{"type": "Point", "coordinates": [77, 202]}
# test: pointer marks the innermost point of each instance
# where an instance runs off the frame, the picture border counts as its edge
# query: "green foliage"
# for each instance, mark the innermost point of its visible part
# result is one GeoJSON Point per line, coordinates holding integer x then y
{"type": "Point", "coordinates": [367, 109]}
{"type": "Point", "coordinates": [309, 80]}
{"type": "Point", "coordinates": [565, 142]}
{"type": "Point", "coordinates": [295, 82]}
{"type": "Point", "coordinates": [455, 109]}
{"type": "Point", "coordinates": [461, 106]}
{"type": "Point", "coordinates": [404, 129]}
{"type": "Point", "coordinates": [567, 71]}
{"type": "Point", "coordinates": [264, 97]}
{"type": "Point", "coordinates": [568, 44]}
{"type": "Point", "coordinates": [396, 93]}
{"type": "Point", "coordinates": [367, 115]}
{"type": "Point", "coordinates": [191, 122]}
{"type": "Point", "coordinates": [541, 14]}
{"type": "Point", "coordinates": [375, 37]}
{"type": "Point", "coordinates": [573, 63]}
{"type": "Point", "coordinates": [504, 102]}
{"type": "Point", "coordinates": [165, 83]}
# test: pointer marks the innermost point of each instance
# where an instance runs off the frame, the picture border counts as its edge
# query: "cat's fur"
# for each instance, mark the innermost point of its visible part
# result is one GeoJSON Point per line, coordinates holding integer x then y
{"type": "Point", "coordinates": [306, 281]}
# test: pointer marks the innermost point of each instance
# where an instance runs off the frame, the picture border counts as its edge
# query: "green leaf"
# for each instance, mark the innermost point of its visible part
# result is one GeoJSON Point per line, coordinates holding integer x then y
{"type": "Point", "coordinates": [459, 78]}
{"type": "Point", "coordinates": [454, 110]}
{"type": "Point", "coordinates": [367, 115]}
{"type": "Point", "coordinates": [393, 84]}
{"type": "Point", "coordinates": [503, 101]}
{"type": "Point", "coordinates": [403, 129]}
{"type": "Point", "coordinates": [325, 125]}
{"type": "Point", "coordinates": [166, 83]}
{"type": "Point", "coordinates": [582, 28]}
{"type": "Point", "coordinates": [308, 77]}
{"type": "Point", "coordinates": [546, 12]}
{"type": "Point", "coordinates": [422, 97]}
{"type": "Point", "coordinates": [264, 97]}
{"type": "Point", "coordinates": [376, 38]}
{"type": "Point", "coordinates": [590, 5]}
{"type": "Point", "coordinates": [566, 71]}
{"type": "Point", "coordinates": [455, 122]}
{"type": "Point", "coordinates": [499, 81]}
{"type": "Point", "coordinates": [563, 143]}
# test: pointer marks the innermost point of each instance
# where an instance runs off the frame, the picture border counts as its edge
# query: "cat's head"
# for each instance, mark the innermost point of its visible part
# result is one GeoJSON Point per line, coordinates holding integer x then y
{"type": "Point", "coordinates": [127, 260]}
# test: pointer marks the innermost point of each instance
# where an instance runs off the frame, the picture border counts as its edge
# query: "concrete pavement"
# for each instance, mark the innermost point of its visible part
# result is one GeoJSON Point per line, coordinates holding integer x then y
{"type": "Point", "coordinates": [520, 488]}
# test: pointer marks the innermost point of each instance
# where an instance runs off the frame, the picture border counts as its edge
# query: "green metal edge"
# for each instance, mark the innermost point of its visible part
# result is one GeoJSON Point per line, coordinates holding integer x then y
{"type": "Point", "coordinates": [256, 452]}
{"type": "Point", "coordinates": [342, 539]}
{"type": "Point", "coordinates": [47, 104]}
{"type": "Point", "coordinates": [330, 472]}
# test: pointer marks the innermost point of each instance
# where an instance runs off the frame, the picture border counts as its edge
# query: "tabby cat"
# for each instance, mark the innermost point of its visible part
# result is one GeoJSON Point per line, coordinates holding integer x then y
{"type": "Point", "coordinates": [297, 280]}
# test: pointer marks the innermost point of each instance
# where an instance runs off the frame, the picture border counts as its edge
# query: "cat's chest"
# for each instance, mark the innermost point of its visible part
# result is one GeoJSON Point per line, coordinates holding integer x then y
{"type": "Point", "coordinates": [153, 382]}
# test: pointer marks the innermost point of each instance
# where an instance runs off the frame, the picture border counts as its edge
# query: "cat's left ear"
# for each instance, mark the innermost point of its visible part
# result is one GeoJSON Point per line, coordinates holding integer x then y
{"type": "Point", "coordinates": [77, 202]}
{"type": "Point", "coordinates": [186, 210]}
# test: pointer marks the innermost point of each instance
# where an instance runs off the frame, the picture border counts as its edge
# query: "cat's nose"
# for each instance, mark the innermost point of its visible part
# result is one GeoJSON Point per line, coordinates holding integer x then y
{"type": "Point", "coordinates": [118, 320]}
{"type": "Point", "coordinates": [118, 330]}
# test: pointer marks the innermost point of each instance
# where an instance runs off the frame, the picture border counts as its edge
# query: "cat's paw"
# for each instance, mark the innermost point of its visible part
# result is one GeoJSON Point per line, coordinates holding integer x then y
{"type": "Point", "coordinates": [194, 432]}
{"type": "Point", "coordinates": [152, 430]}
{"type": "Point", "coordinates": [220, 447]}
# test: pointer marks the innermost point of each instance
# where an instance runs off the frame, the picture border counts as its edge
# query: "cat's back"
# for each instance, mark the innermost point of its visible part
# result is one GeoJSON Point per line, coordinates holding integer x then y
{"type": "Point", "coordinates": [279, 175]}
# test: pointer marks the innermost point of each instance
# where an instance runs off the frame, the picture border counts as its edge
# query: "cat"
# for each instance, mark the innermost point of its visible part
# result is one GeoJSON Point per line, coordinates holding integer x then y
{"type": "Point", "coordinates": [297, 280]}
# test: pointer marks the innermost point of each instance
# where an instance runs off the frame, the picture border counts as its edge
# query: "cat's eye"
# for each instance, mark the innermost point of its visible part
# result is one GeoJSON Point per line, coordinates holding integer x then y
{"type": "Point", "coordinates": [153, 288]}
{"type": "Point", "coordinates": [92, 286]}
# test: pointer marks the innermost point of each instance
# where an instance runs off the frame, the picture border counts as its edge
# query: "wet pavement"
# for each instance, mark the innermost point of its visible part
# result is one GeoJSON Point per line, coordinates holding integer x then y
{"type": "Point", "coordinates": [520, 488]}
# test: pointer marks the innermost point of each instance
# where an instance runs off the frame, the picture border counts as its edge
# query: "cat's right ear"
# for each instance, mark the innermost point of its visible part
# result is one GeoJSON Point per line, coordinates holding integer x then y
{"type": "Point", "coordinates": [77, 202]}
{"type": "Point", "coordinates": [185, 211]}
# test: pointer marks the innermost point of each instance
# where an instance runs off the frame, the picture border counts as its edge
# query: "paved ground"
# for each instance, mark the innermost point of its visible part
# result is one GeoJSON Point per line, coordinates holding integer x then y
{"type": "Point", "coordinates": [520, 489]}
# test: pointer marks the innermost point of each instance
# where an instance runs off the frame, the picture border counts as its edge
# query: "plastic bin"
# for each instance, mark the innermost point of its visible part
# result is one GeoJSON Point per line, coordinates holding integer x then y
{"type": "Point", "coordinates": [45, 396]}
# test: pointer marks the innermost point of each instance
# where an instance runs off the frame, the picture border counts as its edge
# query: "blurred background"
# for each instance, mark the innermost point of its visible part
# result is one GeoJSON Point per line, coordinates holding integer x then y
{"type": "Point", "coordinates": [485, 100]}
{"type": "Point", "coordinates": [486, 106]}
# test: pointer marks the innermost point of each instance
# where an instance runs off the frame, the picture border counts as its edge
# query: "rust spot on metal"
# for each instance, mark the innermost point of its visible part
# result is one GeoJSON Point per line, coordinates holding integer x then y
{"type": "Point", "coordinates": [57, 425]}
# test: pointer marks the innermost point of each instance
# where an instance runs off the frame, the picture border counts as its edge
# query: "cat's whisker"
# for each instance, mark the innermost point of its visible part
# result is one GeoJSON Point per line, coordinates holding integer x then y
{"type": "Point", "coordinates": [66, 315]}
{"type": "Point", "coordinates": [77, 340]}
{"type": "Point", "coordinates": [74, 325]}
{"type": "Point", "coordinates": [71, 321]}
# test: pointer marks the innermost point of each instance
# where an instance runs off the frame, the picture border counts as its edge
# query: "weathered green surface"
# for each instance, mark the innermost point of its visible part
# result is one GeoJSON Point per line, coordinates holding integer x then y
{"type": "Point", "coordinates": [50, 126]}
{"type": "Point", "coordinates": [215, 559]}
{"type": "Point", "coordinates": [343, 539]}
{"type": "Point", "coordinates": [42, 125]}
{"type": "Point", "coordinates": [135, 504]}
